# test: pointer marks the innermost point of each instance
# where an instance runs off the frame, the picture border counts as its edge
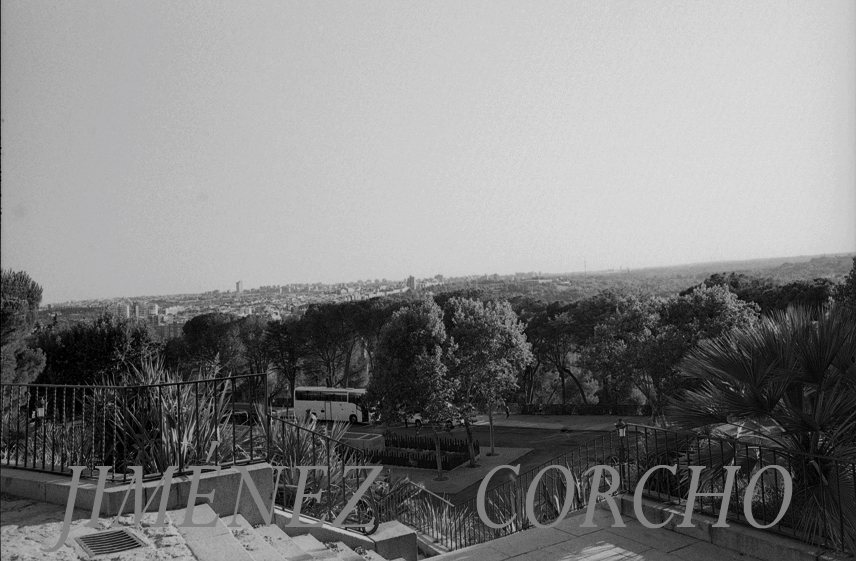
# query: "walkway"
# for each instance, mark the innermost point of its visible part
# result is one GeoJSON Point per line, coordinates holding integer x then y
{"type": "Point", "coordinates": [602, 423]}
{"type": "Point", "coordinates": [568, 542]}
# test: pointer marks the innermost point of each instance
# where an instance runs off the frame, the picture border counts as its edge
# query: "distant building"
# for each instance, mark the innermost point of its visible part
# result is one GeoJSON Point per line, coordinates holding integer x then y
{"type": "Point", "coordinates": [169, 331]}
{"type": "Point", "coordinates": [239, 287]}
{"type": "Point", "coordinates": [411, 283]}
{"type": "Point", "coordinates": [152, 310]}
{"type": "Point", "coordinates": [123, 311]}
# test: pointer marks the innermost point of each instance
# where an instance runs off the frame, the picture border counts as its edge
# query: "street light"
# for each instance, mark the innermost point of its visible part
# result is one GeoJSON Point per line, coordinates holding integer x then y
{"type": "Point", "coordinates": [621, 427]}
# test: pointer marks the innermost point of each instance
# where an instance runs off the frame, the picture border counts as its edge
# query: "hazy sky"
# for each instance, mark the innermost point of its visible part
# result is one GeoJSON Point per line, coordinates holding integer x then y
{"type": "Point", "coordinates": [166, 147]}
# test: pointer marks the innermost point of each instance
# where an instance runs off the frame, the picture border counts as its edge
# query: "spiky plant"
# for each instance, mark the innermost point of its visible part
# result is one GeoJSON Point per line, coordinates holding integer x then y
{"type": "Point", "coordinates": [784, 390]}
{"type": "Point", "coordinates": [150, 417]}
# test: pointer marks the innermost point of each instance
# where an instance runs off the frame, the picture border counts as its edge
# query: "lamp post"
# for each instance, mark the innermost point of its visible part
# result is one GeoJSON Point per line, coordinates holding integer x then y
{"type": "Point", "coordinates": [621, 427]}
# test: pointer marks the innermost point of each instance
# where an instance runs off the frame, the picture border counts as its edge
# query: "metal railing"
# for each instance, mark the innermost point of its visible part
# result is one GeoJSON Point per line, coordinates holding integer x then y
{"type": "Point", "coordinates": [822, 510]}
{"type": "Point", "coordinates": [46, 427]}
{"type": "Point", "coordinates": [293, 445]}
{"type": "Point", "coordinates": [456, 526]}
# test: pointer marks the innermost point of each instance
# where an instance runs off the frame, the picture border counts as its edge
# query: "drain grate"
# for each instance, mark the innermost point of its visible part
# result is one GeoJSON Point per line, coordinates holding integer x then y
{"type": "Point", "coordinates": [111, 542]}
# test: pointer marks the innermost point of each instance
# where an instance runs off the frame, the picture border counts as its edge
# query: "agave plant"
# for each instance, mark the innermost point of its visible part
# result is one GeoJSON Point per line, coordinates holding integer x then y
{"type": "Point", "coordinates": [784, 392]}
{"type": "Point", "coordinates": [152, 418]}
{"type": "Point", "coordinates": [300, 444]}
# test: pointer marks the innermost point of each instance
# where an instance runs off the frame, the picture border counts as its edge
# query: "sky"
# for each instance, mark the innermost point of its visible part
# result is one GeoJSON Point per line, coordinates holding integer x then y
{"type": "Point", "coordinates": [175, 147]}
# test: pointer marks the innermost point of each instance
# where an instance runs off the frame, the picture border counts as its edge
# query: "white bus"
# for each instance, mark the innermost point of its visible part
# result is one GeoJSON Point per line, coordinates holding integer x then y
{"type": "Point", "coordinates": [330, 404]}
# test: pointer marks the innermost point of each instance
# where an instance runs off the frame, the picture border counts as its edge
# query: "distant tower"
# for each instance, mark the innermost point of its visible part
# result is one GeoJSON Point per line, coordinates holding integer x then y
{"type": "Point", "coordinates": [411, 283]}
{"type": "Point", "coordinates": [239, 287]}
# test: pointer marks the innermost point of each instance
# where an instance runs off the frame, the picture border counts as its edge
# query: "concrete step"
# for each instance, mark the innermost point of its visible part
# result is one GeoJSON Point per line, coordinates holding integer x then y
{"type": "Point", "coordinates": [210, 543]}
{"type": "Point", "coordinates": [370, 555]}
{"type": "Point", "coordinates": [736, 538]}
{"type": "Point", "coordinates": [314, 547]}
{"type": "Point", "coordinates": [281, 542]}
{"type": "Point", "coordinates": [344, 552]}
{"type": "Point", "coordinates": [253, 542]}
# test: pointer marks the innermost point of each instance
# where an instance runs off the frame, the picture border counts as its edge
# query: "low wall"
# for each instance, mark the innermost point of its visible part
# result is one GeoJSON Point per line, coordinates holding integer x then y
{"type": "Point", "coordinates": [56, 489]}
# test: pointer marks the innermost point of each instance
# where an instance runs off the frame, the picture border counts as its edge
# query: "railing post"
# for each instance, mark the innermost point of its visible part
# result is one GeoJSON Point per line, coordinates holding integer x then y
{"type": "Point", "coordinates": [267, 418]}
{"type": "Point", "coordinates": [621, 427]}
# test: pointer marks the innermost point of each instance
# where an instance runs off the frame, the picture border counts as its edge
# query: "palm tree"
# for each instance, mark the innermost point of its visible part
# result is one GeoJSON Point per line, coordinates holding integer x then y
{"type": "Point", "coordinates": [786, 387]}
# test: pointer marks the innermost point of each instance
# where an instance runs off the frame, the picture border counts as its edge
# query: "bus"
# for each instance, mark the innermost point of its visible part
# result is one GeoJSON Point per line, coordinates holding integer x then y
{"type": "Point", "coordinates": [331, 404]}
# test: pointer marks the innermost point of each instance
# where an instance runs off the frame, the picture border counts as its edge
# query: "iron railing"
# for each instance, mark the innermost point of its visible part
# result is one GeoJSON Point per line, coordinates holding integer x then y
{"type": "Point", "coordinates": [293, 445]}
{"type": "Point", "coordinates": [46, 427]}
{"type": "Point", "coordinates": [822, 509]}
{"type": "Point", "coordinates": [456, 526]}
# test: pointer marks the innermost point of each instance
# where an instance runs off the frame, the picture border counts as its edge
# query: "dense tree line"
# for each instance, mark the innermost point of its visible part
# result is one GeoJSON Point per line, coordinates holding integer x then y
{"type": "Point", "coordinates": [611, 348]}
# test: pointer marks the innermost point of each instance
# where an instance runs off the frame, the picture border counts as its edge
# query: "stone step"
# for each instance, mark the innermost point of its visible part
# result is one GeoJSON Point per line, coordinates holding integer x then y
{"type": "Point", "coordinates": [253, 542]}
{"type": "Point", "coordinates": [284, 544]}
{"type": "Point", "coordinates": [314, 547]}
{"type": "Point", "coordinates": [210, 543]}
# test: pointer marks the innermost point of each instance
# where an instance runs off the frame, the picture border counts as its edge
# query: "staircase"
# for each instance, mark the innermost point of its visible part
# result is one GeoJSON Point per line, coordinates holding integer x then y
{"type": "Point", "coordinates": [262, 543]}
{"type": "Point", "coordinates": [28, 526]}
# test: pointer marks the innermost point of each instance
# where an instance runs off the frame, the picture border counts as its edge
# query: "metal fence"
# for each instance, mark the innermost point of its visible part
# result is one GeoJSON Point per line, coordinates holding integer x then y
{"type": "Point", "coordinates": [293, 445]}
{"type": "Point", "coordinates": [50, 428]}
{"type": "Point", "coordinates": [457, 526]}
{"type": "Point", "coordinates": [226, 421]}
{"type": "Point", "coordinates": [822, 508]}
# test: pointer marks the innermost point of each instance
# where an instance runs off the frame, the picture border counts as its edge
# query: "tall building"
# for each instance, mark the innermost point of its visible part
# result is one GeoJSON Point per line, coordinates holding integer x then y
{"type": "Point", "coordinates": [411, 283]}
{"type": "Point", "coordinates": [239, 287]}
{"type": "Point", "coordinates": [123, 311]}
{"type": "Point", "coordinates": [152, 310]}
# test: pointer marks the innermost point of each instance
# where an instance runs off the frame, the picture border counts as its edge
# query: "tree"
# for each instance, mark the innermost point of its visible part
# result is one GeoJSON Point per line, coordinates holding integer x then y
{"type": "Point", "coordinates": [90, 352]}
{"type": "Point", "coordinates": [747, 288]}
{"type": "Point", "coordinates": [213, 342]}
{"type": "Point", "coordinates": [845, 293]}
{"type": "Point", "coordinates": [768, 294]}
{"type": "Point", "coordinates": [286, 347]}
{"type": "Point", "coordinates": [20, 297]}
{"type": "Point", "coordinates": [786, 383]}
{"type": "Point", "coordinates": [558, 346]}
{"type": "Point", "coordinates": [531, 313]}
{"type": "Point", "coordinates": [369, 318]}
{"type": "Point", "coordinates": [811, 294]}
{"type": "Point", "coordinates": [410, 371]}
{"type": "Point", "coordinates": [251, 333]}
{"type": "Point", "coordinates": [328, 339]}
{"type": "Point", "coordinates": [646, 339]}
{"type": "Point", "coordinates": [490, 351]}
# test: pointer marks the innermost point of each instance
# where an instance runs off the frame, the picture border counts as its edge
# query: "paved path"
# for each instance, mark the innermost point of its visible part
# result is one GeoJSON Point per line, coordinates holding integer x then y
{"type": "Point", "coordinates": [463, 476]}
{"type": "Point", "coordinates": [602, 423]}
{"type": "Point", "coordinates": [567, 541]}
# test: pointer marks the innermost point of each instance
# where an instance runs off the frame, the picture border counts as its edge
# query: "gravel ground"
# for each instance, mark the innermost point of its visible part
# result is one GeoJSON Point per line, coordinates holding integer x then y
{"type": "Point", "coordinates": [27, 526]}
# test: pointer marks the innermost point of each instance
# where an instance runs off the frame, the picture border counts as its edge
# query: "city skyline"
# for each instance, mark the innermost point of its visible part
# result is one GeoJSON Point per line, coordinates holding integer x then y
{"type": "Point", "coordinates": [748, 266]}
{"type": "Point", "coordinates": [164, 149]}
